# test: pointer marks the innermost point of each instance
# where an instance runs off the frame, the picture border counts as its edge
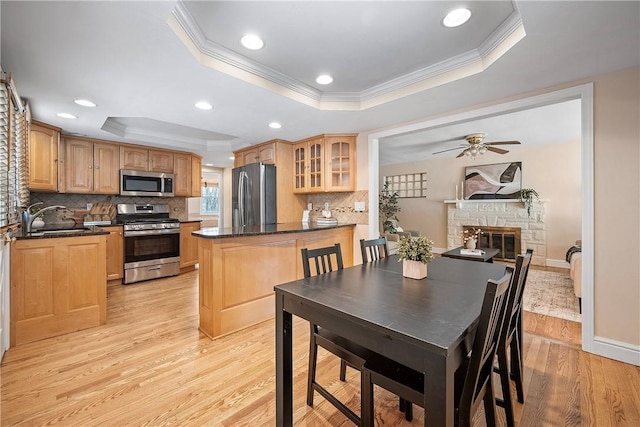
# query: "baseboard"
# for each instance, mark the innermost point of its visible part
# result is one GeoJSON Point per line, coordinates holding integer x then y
{"type": "Point", "coordinates": [559, 263]}
{"type": "Point", "coordinates": [616, 350]}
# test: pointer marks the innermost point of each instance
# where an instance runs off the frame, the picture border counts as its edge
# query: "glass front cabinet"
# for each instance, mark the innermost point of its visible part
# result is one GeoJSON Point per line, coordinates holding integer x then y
{"type": "Point", "coordinates": [324, 163]}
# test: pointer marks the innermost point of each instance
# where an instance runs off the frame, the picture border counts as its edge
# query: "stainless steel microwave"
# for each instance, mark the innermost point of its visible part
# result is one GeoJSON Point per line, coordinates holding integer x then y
{"type": "Point", "coordinates": [140, 183]}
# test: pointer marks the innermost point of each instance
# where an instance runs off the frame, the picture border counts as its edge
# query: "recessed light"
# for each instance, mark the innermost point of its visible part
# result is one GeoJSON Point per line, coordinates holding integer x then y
{"type": "Point", "coordinates": [232, 158]}
{"type": "Point", "coordinates": [456, 18]}
{"type": "Point", "coordinates": [252, 42]}
{"type": "Point", "coordinates": [203, 105]}
{"type": "Point", "coordinates": [84, 102]}
{"type": "Point", "coordinates": [67, 116]}
{"type": "Point", "coordinates": [208, 164]}
{"type": "Point", "coordinates": [275, 125]}
{"type": "Point", "coordinates": [324, 79]}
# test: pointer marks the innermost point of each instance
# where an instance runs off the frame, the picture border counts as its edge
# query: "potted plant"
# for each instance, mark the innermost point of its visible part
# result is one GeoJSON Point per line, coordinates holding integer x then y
{"type": "Point", "coordinates": [527, 196]}
{"type": "Point", "coordinates": [388, 208]}
{"type": "Point", "coordinates": [415, 253]}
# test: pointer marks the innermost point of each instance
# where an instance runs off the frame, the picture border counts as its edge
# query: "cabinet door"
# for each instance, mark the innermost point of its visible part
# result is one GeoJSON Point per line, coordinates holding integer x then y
{"type": "Point", "coordinates": [106, 173]}
{"type": "Point", "coordinates": [134, 158]}
{"type": "Point", "coordinates": [315, 168]}
{"type": "Point", "coordinates": [340, 158]}
{"type": "Point", "coordinates": [78, 166]}
{"type": "Point", "coordinates": [267, 154]}
{"type": "Point", "coordinates": [188, 244]}
{"type": "Point", "coordinates": [299, 168]}
{"type": "Point", "coordinates": [115, 253]}
{"type": "Point", "coordinates": [249, 157]}
{"type": "Point", "coordinates": [43, 158]}
{"type": "Point", "coordinates": [160, 161]}
{"type": "Point", "coordinates": [196, 176]}
{"type": "Point", "coordinates": [182, 174]}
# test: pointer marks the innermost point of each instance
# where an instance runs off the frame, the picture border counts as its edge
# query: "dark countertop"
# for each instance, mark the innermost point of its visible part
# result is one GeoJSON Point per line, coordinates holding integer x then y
{"type": "Point", "coordinates": [48, 232]}
{"type": "Point", "coordinates": [259, 230]}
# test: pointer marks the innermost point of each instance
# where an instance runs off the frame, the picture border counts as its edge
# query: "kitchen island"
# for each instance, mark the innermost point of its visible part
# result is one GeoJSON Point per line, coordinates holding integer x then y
{"type": "Point", "coordinates": [238, 268]}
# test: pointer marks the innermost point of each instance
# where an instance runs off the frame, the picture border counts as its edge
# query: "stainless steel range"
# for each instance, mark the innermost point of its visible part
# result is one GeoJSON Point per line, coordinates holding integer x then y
{"type": "Point", "coordinates": [151, 242]}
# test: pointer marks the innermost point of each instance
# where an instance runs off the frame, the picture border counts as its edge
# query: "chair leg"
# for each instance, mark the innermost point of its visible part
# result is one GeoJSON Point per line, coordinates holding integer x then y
{"type": "Point", "coordinates": [313, 358]}
{"type": "Point", "coordinates": [506, 402]}
{"type": "Point", "coordinates": [489, 405]}
{"type": "Point", "coordinates": [343, 370]}
{"type": "Point", "coordinates": [516, 366]}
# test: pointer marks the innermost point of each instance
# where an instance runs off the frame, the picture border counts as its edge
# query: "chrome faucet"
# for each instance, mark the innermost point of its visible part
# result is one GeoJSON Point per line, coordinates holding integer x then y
{"type": "Point", "coordinates": [28, 217]}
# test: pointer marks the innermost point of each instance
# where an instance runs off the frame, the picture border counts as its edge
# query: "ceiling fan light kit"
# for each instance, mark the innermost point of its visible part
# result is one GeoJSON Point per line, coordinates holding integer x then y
{"type": "Point", "coordinates": [478, 146]}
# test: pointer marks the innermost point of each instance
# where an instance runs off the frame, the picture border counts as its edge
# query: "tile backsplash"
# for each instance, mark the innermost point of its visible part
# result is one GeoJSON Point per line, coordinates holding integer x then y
{"type": "Point", "coordinates": [341, 206]}
{"type": "Point", "coordinates": [78, 203]}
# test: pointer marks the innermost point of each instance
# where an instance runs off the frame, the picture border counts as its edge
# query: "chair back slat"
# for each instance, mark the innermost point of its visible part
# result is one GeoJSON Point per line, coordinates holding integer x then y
{"type": "Point", "coordinates": [374, 249]}
{"type": "Point", "coordinates": [514, 303]}
{"type": "Point", "coordinates": [324, 259]}
{"type": "Point", "coordinates": [485, 344]}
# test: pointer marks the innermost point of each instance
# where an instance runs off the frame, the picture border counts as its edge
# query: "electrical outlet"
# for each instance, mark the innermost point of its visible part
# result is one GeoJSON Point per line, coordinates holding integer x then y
{"type": "Point", "coordinates": [359, 206]}
{"type": "Point", "coordinates": [89, 206]}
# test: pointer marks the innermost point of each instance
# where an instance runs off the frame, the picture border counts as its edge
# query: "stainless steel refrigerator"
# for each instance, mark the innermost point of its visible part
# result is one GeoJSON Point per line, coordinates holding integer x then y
{"type": "Point", "coordinates": [254, 195]}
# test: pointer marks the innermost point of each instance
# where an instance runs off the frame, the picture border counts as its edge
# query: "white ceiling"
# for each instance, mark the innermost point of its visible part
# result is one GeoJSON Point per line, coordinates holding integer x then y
{"type": "Point", "coordinates": [145, 74]}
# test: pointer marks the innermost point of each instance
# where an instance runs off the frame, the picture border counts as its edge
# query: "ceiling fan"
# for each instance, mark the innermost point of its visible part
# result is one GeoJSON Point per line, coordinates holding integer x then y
{"type": "Point", "coordinates": [477, 146]}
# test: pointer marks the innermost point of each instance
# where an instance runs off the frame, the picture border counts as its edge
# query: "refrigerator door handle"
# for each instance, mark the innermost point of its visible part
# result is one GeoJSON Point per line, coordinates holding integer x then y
{"type": "Point", "coordinates": [241, 185]}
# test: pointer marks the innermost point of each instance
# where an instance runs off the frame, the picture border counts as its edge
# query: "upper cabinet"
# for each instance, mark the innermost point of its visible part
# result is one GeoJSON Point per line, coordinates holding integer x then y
{"type": "Point", "coordinates": [324, 163]}
{"type": "Point", "coordinates": [187, 172]}
{"type": "Point", "coordinates": [44, 143]}
{"type": "Point", "coordinates": [91, 167]}
{"type": "Point", "coordinates": [142, 159]}
{"type": "Point", "coordinates": [263, 153]}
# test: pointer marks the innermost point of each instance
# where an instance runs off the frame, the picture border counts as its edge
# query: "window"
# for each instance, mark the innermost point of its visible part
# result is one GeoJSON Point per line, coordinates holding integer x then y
{"type": "Point", "coordinates": [409, 185]}
{"type": "Point", "coordinates": [210, 200]}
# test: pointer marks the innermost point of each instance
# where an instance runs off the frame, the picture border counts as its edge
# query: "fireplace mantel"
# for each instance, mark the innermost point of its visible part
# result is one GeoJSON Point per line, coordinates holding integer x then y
{"type": "Point", "coordinates": [484, 201]}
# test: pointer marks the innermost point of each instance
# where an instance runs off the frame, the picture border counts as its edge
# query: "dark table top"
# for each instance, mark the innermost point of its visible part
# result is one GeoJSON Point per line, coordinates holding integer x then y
{"type": "Point", "coordinates": [435, 313]}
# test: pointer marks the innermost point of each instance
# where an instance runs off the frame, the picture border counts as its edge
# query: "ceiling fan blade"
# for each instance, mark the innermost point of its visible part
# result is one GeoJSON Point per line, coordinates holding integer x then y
{"type": "Point", "coordinates": [461, 154]}
{"type": "Point", "coordinates": [450, 149]}
{"type": "Point", "coordinates": [497, 150]}
{"type": "Point", "coordinates": [502, 143]}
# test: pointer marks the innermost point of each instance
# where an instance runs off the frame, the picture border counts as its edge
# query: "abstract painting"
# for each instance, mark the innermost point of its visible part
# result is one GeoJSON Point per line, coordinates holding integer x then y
{"type": "Point", "coordinates": [497, 181]}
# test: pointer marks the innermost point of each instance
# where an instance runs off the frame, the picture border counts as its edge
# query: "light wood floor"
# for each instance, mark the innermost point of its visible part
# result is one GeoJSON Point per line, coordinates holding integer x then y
{"type": "Point", "coordinates": [150, 366]}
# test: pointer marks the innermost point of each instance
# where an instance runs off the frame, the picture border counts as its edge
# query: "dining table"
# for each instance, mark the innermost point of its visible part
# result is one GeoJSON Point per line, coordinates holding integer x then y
{"type": "Point", "coordinates": [426, 324]}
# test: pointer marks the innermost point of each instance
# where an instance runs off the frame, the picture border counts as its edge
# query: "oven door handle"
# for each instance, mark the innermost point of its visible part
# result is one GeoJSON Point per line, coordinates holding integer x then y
{"type": "Point", "coordinates": [151, 232]}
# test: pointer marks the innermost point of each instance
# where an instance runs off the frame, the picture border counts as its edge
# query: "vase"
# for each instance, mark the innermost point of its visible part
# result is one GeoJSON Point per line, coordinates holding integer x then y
{"type": "Point", "coordinates": [414, 269]}
{"type": "Point", "coordinates": [470, 244]}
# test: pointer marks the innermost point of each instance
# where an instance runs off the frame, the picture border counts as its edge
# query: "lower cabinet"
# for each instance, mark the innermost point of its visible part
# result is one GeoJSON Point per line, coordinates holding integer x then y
{"type": "Point", "coordinates": [58, 285]}
{"type": "Point", "coordinates": [115, 253]}
{"type": "Point", "coordinates": [188, 245]}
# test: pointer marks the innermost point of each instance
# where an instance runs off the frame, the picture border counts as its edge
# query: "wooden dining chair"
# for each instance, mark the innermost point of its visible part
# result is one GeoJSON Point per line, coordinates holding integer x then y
{"type": "Point", "coordinates": [511, 340]}
{"type": "Point", "coordinates": [326, 260]}
{"type": "Point", "coordinates": [473, 380]}
{"type": "Point", "coordinates": [374, 249]}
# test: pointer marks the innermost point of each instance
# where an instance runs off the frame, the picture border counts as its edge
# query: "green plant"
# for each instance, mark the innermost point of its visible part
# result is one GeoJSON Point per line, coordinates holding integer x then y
{"type": "Point", "coordinates": [388, 208]}
{"type": "Point", "coordinates": [415, 249]}
{"type": "Point", "coordinates": [527, 196]}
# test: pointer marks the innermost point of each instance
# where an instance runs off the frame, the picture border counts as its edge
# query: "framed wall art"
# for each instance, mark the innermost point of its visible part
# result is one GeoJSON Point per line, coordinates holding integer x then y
{"type": "Point", "coordinates": [496, 181]}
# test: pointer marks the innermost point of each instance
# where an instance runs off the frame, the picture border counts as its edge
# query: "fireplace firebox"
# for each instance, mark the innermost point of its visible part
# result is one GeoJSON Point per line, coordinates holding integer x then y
{"type": "Point", "coordinates": [505, 239]}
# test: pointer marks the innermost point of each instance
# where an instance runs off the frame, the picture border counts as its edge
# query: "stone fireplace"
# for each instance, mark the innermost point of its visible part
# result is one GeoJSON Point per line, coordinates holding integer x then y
{"type": "Point", "coordinates": [505, 223]}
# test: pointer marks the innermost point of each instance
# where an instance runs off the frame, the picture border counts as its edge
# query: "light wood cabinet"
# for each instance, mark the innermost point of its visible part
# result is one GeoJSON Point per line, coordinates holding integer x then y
{"type": "Point", "coordinates": [142, 159]}
{"type": "Point", "coordinates": [58, 286]}
{"type": "Point", "coordinates": [188, 245]}
{"type": "Point", "coordinates": [115, 252]}
{"type": "Point", "coordinates": [187, 171]}
{"type": "Point", "coordinates": [196, 176]}
{"type": "Point", "coordinates": [91, 167]}
{"type": "Point", "coordinates": [264, 153]}
{"type": "Point", "coordinates": [43, 157]}
{"type": "Point", "coordinates": [324, 163]}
